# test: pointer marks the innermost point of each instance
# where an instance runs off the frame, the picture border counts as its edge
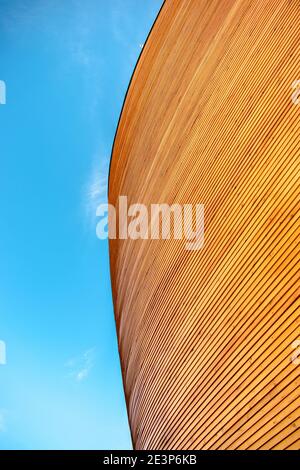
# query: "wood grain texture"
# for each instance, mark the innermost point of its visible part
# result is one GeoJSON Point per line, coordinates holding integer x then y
{"type": "Point", "coordinates": [205, 337]}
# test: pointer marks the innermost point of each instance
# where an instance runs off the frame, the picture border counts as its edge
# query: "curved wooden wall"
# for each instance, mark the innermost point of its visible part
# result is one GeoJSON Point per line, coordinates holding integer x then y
{"type": "Point", "coordinates": [205, 337]}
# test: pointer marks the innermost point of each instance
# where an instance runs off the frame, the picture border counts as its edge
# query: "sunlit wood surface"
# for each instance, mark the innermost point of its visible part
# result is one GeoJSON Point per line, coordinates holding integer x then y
{"type": "Point", "coordinates": [205, 337]}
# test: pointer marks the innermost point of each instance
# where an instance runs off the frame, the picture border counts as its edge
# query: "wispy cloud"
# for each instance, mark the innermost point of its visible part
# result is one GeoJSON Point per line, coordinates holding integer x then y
{"type": "Point", "coordinates": [95, 191]}
{"type": "Point", "coordinates": [82, 47]}
{"type": "Point", "coordinates": [81, 366]}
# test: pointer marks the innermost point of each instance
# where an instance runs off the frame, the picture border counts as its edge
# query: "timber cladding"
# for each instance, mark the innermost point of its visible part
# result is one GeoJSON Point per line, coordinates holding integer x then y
{"type": "Point", "coordinates": [205, 337]}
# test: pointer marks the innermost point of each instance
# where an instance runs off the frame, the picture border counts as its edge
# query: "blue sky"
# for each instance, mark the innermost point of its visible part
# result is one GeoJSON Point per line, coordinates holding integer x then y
{"type": "Point", "coordinates": [66, 65]}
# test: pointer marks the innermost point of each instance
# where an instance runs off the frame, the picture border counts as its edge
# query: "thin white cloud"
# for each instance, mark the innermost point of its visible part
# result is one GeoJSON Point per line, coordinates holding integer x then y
{"type": "Point", "coordinates": [95, 191]}
{"type": "Point", "coordinates": [80, 367]}
{"type": "Point", "coordinates": [80, 46]}
{"type": "Point", "coordinates": [80, 54]}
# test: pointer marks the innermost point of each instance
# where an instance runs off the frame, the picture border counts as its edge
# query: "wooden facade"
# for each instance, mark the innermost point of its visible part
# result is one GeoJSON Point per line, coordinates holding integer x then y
{"type": "Point", "coordinates": [205, 337]}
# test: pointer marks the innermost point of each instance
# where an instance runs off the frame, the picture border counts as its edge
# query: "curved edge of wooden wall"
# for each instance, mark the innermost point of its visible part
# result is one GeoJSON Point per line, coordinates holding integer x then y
{"type": "Point", "coordinates": [206, 337]}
